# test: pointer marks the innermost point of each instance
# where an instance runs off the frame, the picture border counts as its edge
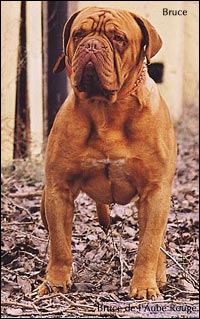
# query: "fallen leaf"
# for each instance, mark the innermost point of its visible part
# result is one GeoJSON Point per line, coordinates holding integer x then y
{"type": "Point", "coordinates": [14, 311]}
{"type": "Point", "coordinates": [25, 284]}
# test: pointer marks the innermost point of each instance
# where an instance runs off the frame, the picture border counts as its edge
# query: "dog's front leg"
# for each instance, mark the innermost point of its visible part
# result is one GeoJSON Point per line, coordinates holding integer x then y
{"type": "Point", "coordinates": [153, 212]}
{"type": "Point", "coordinates": [59, 210]}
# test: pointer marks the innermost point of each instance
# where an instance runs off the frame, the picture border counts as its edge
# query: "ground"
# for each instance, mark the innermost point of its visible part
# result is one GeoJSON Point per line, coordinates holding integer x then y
{"type": "Point", "coordinates": [102, 266]}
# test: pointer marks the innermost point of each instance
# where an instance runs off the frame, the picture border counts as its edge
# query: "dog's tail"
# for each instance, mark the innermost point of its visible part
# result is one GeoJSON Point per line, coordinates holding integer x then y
{"type": "Point", "coordinates": [103, 216]}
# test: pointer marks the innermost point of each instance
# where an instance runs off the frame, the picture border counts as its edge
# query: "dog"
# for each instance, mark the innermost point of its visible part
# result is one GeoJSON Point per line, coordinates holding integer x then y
{"type": "Point", "coordinates": [112, 139]}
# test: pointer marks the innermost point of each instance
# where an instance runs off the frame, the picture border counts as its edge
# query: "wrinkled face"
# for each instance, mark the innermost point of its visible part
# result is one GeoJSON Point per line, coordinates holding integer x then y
{"type": "Point", "coordinates": [103, 48]}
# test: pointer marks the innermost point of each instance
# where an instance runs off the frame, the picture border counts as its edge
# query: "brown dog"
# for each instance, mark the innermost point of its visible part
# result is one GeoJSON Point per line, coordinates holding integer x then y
{"type": "Point", "coordinates": [112, 139]}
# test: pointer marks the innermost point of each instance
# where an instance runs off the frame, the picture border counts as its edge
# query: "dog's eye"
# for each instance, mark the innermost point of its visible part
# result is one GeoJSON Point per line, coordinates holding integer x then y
{"type": "Point", "coordinates": [78, 34]}
{"type": "Point", "coordinates": [120, 39]}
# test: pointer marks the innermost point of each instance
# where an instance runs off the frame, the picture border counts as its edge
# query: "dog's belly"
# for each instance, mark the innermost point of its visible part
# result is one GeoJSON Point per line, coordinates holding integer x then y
{"type": "Point", "coordinates": [107, 182]}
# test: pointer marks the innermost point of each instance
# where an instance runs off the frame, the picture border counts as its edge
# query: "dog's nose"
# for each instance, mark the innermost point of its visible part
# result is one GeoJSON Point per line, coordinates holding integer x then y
{"type": "Point", "coordinates": [92, 45]}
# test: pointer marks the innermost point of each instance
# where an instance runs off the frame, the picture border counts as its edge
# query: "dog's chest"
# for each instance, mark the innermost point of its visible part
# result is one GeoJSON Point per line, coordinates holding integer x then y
{"type": "Point", "coordinates": [107, 151]}
{"type": "Point", "coordinates": [107, 180]}
{"type": "Point", "coordinates": [105, 170]}
{"type": "Point", "coordinates": [108, 142]}
{"type": "Point", "coordinates": [108, 133]}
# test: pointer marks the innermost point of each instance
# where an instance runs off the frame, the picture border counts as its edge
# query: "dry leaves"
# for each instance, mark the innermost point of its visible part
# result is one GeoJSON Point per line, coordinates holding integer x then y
{"type": "Point", "coordinates": [102, 266]}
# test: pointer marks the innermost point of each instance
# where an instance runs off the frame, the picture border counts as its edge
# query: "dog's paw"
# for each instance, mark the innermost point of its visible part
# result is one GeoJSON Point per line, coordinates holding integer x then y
{"type": "Point", "coordinates": [144, 293]}
{"type": "Point", "coordinates": [48, 287]}
{"type": "Point", "coordinates": [161, 283]}
{"type": "Point", "coordinates": [144, 290]}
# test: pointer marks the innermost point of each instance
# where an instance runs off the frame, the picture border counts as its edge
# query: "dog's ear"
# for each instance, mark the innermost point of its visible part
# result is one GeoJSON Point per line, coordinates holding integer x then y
{"type": "Point", "coordinates": [151, 38]}
{"type": "Point", "coordinates": [60, 63]}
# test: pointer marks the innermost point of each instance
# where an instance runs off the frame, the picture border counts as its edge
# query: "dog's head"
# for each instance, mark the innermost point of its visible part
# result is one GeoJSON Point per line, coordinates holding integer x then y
{"type": "Point", "coordinates": [104, 49]}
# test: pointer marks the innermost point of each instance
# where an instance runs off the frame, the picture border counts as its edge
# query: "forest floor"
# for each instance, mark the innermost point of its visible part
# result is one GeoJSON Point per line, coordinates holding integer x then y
{"type": "Point", "coordinates": [102, 265]}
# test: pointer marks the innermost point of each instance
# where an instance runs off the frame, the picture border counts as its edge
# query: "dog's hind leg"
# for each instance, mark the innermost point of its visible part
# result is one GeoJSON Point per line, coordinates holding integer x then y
{"type": "Point", "coordinates": [42, 210]}
{"type": "Point", "coordinates": [103, 214]}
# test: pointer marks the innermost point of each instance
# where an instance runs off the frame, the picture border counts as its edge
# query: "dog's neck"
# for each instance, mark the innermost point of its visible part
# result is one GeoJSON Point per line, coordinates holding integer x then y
{"type": "Point", "coordinates": [142, 75]}
{"type": "Point", "coordinates": [139, 80]}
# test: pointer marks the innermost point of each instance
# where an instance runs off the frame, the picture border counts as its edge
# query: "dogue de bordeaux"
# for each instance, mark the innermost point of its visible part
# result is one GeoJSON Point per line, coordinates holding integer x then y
{"type": "Point", "coordinates": [112, 139]}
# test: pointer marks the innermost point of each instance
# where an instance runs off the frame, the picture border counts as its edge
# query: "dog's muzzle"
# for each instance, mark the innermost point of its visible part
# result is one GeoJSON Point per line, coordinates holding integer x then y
{"type": "Point", "coordinates": [93, 69]}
